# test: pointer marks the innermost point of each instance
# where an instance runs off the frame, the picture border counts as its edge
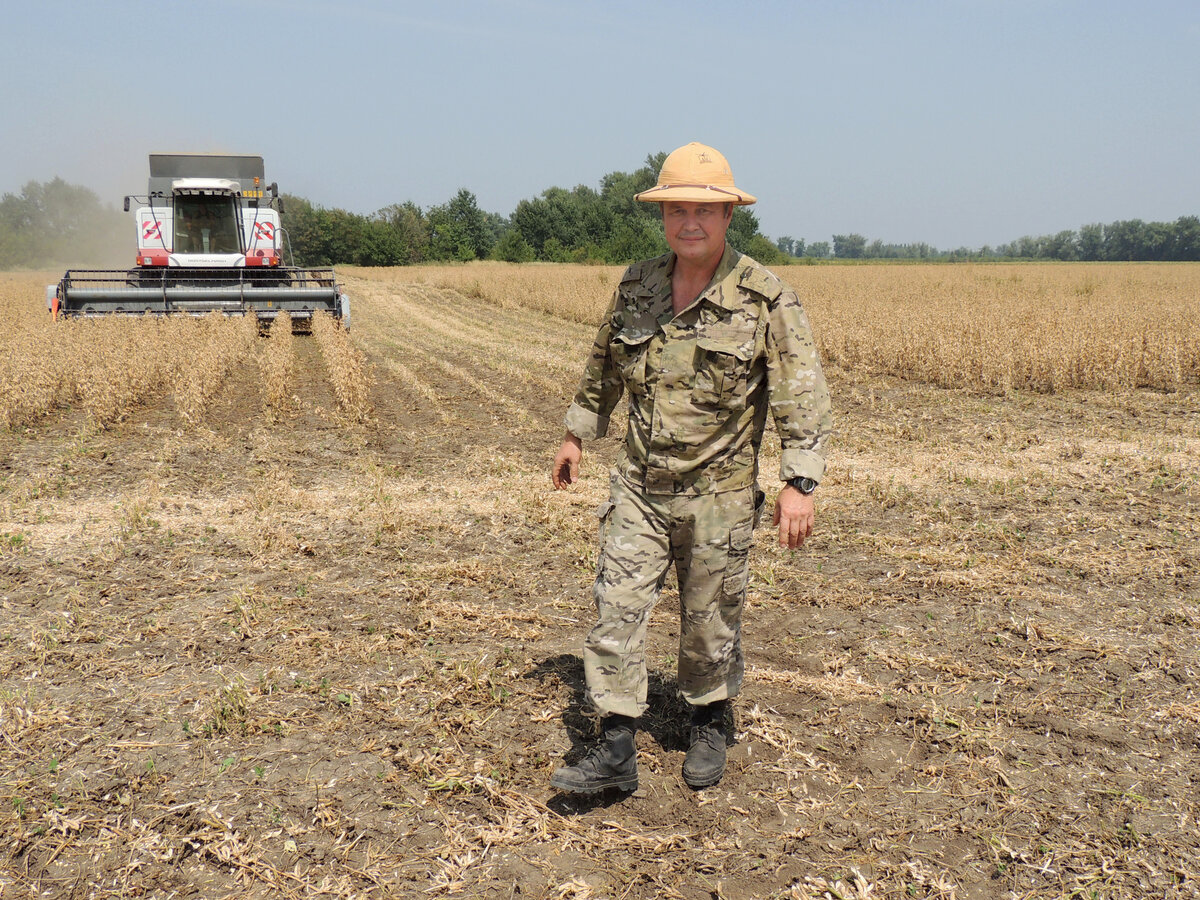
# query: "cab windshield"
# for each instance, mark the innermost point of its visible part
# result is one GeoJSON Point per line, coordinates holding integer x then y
{"type": "Point", "coordinates": [205, 224]}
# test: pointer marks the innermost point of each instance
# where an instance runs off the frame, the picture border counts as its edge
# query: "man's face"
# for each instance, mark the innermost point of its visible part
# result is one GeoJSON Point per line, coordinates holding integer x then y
{"type": "Point", "coordinates": [696, 231]}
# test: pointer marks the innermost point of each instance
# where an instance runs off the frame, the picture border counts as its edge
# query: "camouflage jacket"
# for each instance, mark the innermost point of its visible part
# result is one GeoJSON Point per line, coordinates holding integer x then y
{"type": "Point", "coordinates": [700, 382]}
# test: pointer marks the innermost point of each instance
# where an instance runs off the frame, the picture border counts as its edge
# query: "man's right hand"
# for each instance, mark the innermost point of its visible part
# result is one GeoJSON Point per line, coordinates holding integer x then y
{"type": "Point", "coordinates": [794, 516]}
{"type": "Point", "coordinates": [566, 464]}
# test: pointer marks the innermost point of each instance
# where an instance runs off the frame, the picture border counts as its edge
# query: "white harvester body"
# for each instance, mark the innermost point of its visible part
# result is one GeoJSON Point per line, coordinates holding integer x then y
{"type": "Point", "coordinates": [209, 237]}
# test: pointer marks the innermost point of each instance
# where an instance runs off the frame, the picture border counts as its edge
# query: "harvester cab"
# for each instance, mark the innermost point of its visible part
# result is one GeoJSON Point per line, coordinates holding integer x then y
{"type": "Point", "coordinates": [204, 229]}
{"type": "Point", "coordinates": [209, 237]}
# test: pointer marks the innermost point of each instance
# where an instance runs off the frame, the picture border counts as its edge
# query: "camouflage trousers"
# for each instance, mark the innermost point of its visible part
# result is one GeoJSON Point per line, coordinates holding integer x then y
{"type": "Point", "coordinates": [707, 538]}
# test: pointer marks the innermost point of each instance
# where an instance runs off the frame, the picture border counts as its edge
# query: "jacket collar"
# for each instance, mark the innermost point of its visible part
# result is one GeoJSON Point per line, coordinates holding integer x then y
{"type": "Point", "coordinates": [721, 289]}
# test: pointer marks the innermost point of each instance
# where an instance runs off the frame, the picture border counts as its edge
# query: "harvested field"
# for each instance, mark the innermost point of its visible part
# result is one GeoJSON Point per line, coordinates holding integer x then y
{"type": "Point", "coordinates": [311, 626]}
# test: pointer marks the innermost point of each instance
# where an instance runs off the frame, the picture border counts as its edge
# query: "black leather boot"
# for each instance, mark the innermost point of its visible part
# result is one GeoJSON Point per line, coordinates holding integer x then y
{"type": "Point", "coordinates": [705, 761]}
{"type": "Point", "coordinates": [612, 763]}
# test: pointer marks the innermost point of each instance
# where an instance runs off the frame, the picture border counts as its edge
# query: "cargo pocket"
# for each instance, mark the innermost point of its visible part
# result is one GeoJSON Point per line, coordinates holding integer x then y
{"type": "Point", "coordinates": [722, 372]}
{"type": "Point", "coordinates": [603, 514]}
{"type": "Point", "coordinates": [737, 569]}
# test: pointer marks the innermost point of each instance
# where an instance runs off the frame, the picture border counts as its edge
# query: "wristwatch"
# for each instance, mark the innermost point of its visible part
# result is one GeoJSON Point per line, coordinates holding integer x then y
{"type": "Point", "coordinates": [803, 485]}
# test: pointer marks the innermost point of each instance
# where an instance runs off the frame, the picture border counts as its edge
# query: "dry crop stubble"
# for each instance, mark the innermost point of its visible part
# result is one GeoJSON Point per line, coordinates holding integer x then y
{"type": "Point", "coordinates": [513, 343]}
{"type": "Point", "coordinates": [510, 340]}
{"type": "Point", "coordinates": [977, 680]}
{"type": "Point", "coordinates": [936, 493]}
{"type": "Point", "coordinates": [564, 291]}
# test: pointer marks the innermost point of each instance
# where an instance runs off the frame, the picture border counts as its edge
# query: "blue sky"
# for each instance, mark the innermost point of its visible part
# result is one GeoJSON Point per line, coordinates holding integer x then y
{"type": "Point", "coordinates": [953, 122]}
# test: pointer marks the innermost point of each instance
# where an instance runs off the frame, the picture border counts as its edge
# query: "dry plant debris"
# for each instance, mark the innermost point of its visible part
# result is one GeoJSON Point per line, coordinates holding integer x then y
{"type": "Point", "coordinates": [329, 646]}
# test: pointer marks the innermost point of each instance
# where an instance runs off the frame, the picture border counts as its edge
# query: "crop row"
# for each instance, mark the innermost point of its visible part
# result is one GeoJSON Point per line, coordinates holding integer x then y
{"type": "Point", "coordinates": [107, 367]}
{"type": "Point", "coordinates": [347, 367]}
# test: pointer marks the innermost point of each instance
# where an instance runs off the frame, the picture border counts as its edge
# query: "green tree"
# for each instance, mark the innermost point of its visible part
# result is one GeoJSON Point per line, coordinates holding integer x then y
{"type": "Point", "coordinates": [16, 232]}
{"type": "Point", "coordinates": [742, 229]}
{"type": "Point", "coordinates": [307, 230]}
{"type": "Point", "coordinates": [1091, 242]}
{"type": "Point", "coordinates": [57, 223]}
{"type": "Point", "coordinates": [633, 239]}
{"type": "Point", "coordinates": [448, 239]}
{"type": "Point", "coordinates": [512, 248]}
{"type": "Point", "coordinates": [411, 230]}
{"type": "Point", "coordinates": [790, 246]}
{"type": "Point", "coordinates": [464, 211]}
{"type": "Point", "coordinates": [1185, 243]}
{"type": "Point", "coordinates": [1157, 240]}
{"type": "Point", "coordinates": [572, 218]}
{"type": "Point", "coordinates": [554, 251]}
{"type": "Point", "coordinates": [761, 249]}
{"type": "Point", "coordinates": [347, 231]}
{"type": "Point", "coordinates": [1125, 240]}
{"type": "Point", "coordinates": [849, 246]}
{"type": "Point", "coordinates": [617, 190]}
{"type": "Point", "coordinates": [1062, 246]}
{"type": "Point", "coordinates": [380, 246]}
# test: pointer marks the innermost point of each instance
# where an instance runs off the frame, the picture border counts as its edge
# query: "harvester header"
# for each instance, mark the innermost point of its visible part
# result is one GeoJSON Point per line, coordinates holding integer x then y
{"type": "Point", "coordinates": [209, 237]}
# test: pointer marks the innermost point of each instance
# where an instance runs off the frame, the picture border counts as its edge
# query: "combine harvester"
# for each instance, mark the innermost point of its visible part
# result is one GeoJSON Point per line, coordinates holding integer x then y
{"type": "Point", "coordinates": [209, 238]}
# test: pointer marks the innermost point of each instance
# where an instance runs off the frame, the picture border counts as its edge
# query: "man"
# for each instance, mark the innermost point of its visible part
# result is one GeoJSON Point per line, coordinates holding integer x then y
{"type": "Point", "coordinates": [704, 340]}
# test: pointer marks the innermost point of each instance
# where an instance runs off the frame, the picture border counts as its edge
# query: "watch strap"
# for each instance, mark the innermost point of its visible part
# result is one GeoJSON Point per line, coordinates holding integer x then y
{"type": "Point", "coordinates": [803, 485]}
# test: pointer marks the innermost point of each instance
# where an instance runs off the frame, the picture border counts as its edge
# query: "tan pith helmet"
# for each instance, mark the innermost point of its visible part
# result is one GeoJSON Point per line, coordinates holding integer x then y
{"type": "Point", "coordinates": [699, 174]}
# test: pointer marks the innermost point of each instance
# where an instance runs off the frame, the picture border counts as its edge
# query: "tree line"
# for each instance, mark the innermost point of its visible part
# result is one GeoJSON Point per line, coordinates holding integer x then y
{"type": "Point", "coordinates": [577, 225]}
{"type": "Point", "coordinates": [57, 223]}
{"type": "Point", "coordinates": [1131, 240]}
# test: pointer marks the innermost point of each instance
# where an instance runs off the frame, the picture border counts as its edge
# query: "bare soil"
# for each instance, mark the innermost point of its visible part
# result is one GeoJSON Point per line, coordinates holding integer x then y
{"type": "Point", "coordinates": [304, 658]}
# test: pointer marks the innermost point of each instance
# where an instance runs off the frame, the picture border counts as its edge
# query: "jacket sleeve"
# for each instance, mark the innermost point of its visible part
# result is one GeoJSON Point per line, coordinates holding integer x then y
{"type": "Point", "coordinates": [798, 396]}
{"type": "Point", "coordinates": [601, 385]}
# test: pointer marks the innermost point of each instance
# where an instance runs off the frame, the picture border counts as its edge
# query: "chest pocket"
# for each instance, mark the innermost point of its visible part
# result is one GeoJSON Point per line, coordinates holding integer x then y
{"type": "Point", "coordinates": [628, 349]}
{"type": "Point", "coordinates": [723, 369]}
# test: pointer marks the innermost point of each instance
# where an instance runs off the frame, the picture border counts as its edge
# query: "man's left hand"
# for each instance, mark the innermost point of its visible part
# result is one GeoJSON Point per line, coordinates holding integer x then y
{"type": "Point", "coordinates": [794, 516]}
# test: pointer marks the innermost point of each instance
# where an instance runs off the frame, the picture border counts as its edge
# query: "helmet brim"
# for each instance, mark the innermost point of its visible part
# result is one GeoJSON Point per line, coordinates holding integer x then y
{"type": "Point", "coordinates": [696, 193]}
